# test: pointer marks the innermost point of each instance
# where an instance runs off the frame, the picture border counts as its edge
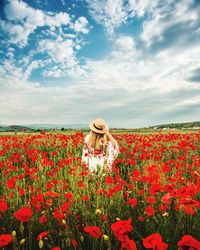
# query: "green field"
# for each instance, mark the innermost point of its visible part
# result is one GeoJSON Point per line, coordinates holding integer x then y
{"type": "Point", "coordinates": [112, 131]}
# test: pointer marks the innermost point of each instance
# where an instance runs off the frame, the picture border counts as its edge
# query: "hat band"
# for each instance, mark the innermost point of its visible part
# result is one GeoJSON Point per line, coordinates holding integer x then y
{"type": "Point", "coordinates": [97, 127]}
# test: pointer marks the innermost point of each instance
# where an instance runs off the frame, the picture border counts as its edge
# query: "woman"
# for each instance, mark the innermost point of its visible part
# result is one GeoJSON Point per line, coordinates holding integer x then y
{"type": "Point", "coordinates": [100, 148]}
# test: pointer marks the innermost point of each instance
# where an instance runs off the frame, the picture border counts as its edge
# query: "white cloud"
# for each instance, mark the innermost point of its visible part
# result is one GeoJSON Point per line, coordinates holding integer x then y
{"type": "Point", "coordinates": [140, 89]}
{"type": "Point", "coordinates": [159, 16]}
{"type": "Point", "coordinates": [10, 53]}
{"type": "Point", "coordinates": [128, 67]}
{"type": "Point", "coordinates": [57, 19]}
{"type": "Point", "coordinates": [17, 10]}
{"type": "Point", "coordinates": [125, 49]}
{"type": "Point", "coordinates": [110, 13]}
{"type": "Point", "coordinates": [140, 7]}
{"type": "Point", "coordinates": [33, 65]}
{"type": "Point", "coordinates": [60, 51]}
{"type": "Point", "coordinates": [20, 11]}
{"type": "Point", "coordinates": [28, 19]}
{"type": "Point", "coordinates": [59, 44]}
{"type": "Point", "coordinates": [9, 70]}
{"type": "Point", "coordinates": [143, 83]}
{"type": "Point", "coordinates": [81, 25]}
{"type": "Point", "coordinates": [24, 102]}
{"type": "Point", "coordinates": [54, 72]}
{"type": "Point", "coordinates": [19, 34]}
{"type": "Point", "coordinates": [164, 16]}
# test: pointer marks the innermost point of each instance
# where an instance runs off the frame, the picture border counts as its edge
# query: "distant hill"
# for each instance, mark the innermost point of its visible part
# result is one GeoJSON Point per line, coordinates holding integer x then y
{"type": "Point", "coordinates": [186, 125]}
{"type": "Point", "coordinates": [57, 126]}
{"type": "Point", "coordinates": [33, 127]}
{"type": "Point", "coordinates": [13, 128]}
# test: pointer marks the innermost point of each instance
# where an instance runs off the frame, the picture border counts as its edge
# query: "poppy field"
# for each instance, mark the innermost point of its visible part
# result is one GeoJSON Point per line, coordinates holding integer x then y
{"type": "Point", "coordinates": [50, 201]}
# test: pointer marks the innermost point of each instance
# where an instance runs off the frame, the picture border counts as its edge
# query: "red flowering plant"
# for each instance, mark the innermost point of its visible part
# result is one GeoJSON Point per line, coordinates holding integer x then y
{"type": "Point", "coordinates": [128, 244]}
{"type": "Point", "coordinates": [94, 231]}
{"type": "Point", "coordinates": [42, 235]}
{"type": "Point", "coordinates": [23, 214]}
{"type": "Point", "coordinates": [154, 242]}
{"type": "Point", "coordinates": [3, 206]}
{"type": "Point", "coordinates": [154, 182]}
{"type": "Point", "coordinates": [189, 242]}
{"type": "Point", "coordinates": [121, 228]}
{"type": "Point", "coordinates": [5, 239]}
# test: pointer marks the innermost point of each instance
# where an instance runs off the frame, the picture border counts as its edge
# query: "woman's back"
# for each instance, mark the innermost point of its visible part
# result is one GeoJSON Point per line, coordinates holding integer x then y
{"type": "Point", "coordinates": [102, 156]}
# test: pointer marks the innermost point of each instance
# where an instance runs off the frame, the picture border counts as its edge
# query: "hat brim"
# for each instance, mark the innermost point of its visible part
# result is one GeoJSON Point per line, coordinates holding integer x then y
{"type": "Point", "coordinates": [99, 131]}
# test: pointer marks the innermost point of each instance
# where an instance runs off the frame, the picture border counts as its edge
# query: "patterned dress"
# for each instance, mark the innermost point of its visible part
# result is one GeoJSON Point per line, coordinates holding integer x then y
{"type": "Point", "coordinates": [98, 159]}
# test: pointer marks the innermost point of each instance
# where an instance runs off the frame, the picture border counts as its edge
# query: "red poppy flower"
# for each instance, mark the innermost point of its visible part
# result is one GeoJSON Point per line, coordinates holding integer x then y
{"type": "Point", "coordinates": [42, 235]}
{"type": "Point", "coordinates": [132, 202]}
{"type": "Point", "coordinates": [11, 182]}
{"type": "Point", "coordinates": [154, 241]}
{"type": "Point", "coordinates": [59, 215]}
{"type": "Point", "coordinates": [43, 219]}
{"type": "Point", "coordinates": [155, 188]}
{"type": "Point", "coordinates": [150, 211]}
{"type": "Point", "coordinates": [66, 205]}
{"type": "Point", "coordinates": [85, 198]}
{"type": "Point", "coordinates": [23, 214]}
{"type": "Point", "coordinates": [109, 180]}
{"type": "Point", "coordinates": [189, 210]}
{"type": "Point", "coordinates": [94, 231]}
{"type": "Point", "coordinates": [81, 184]}
{"type": "Point", "coordinates": [69, 195]}
{"type": "Point", "coordinates": [52, 194]}
{"type": "Point", "coordinates": [104, 217]}
{"type": "Point", "coordinates": [140, 218]}
{"type": "Point", "coordinates": [74, 243]}
{"type": "Point", "coordinates": [166, 198]}
{"type": "Point", "coordinates": [189, 242]}
{"type": "Point", "coordinates": [83, 173]}
{"type": "Point", "coordinates": [151, 199]}
{"type": "Point", "coordinates": [128, 244]}
{"type": "Point", "coordinates": [100, 191]}
{"type": "Point", "coordinates": [121, 228]}
{"type": "Point", "coordinates": [3, 206]}
{"type": "Point", "coordinates": [5, 239]}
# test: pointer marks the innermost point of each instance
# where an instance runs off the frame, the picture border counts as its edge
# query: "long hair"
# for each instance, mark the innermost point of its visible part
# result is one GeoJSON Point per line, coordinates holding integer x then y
{"type": "Point", "coordinates": [97, 140]}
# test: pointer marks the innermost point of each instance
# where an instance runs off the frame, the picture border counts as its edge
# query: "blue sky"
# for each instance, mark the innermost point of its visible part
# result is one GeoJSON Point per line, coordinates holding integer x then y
{"type": "Point", "coordinates": [135, 63]}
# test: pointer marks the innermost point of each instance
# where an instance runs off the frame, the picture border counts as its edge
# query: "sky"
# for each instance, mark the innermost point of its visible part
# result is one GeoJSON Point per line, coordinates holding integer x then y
{"type": "Point", "coordinates": [134, 63]}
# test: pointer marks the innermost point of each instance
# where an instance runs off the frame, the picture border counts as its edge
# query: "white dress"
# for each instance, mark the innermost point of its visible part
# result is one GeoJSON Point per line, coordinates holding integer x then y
{"type": "Point", "coordinates": [98, 159]}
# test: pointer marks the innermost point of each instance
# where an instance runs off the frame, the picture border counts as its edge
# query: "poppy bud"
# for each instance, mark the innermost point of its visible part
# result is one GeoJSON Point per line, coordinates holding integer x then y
{"type": "Point", "coordinates": [14, 233]}
{"type": "Point", "coordinates": [64, 222]}
{"type": "Point", "coordinates": [41, 244]}
{"type": "Point", "coordinates": [106, 238]}
{"type": "Point", "coordinates": [81, 238]}
{"type": "Point", "coordinates": [22, 241]}
{"type": "Point", "coordinates": [98, 212]}
{"type": "Point", "coordinates": [21, 229]}
{"type": "Point", "coordinates": [165, 214]}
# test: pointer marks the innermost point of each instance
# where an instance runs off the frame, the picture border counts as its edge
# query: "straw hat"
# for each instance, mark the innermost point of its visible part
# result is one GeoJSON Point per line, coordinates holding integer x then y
{"type": "Point", "coordinates": [97, 125]}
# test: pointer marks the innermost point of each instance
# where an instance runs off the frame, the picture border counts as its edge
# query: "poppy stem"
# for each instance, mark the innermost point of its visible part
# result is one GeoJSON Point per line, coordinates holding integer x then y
{"type": "Point", "coordinates": [138, 234]}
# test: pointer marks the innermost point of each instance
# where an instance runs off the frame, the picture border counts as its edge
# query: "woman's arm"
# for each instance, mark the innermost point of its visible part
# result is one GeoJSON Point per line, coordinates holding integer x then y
{"type": "Point", "coordinates": [112, 150]}
{"type": "Point", "coordinates": [111, 138]}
